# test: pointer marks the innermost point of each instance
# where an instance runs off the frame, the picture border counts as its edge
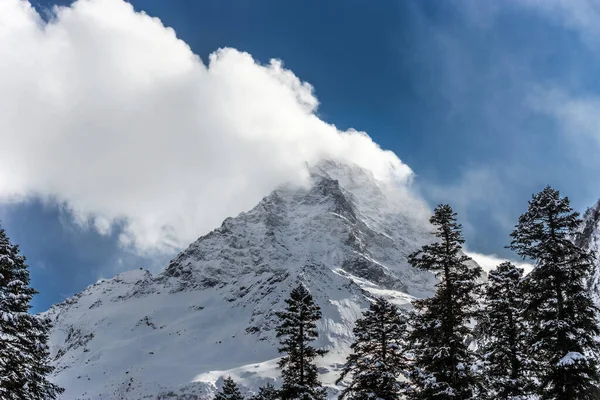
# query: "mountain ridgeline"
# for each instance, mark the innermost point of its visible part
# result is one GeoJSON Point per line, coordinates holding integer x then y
{"type": "Point", "coordinates": [358, 248]}
{"type": "Point", "coordinates": [211, 313]}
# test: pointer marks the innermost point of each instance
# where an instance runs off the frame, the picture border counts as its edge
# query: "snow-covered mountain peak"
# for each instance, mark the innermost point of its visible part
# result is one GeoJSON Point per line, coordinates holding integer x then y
{"type": "Point", "coordinates": [211, 312]}
{"type": "Point", "coordinates": [342, 220]}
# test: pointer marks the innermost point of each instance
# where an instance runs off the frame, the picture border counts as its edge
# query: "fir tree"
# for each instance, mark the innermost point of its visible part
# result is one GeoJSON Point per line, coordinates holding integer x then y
{"type": "Point", "coordinates": [559, 309]}
{"type": "Point", "coordinates": [229, 391]}
{"type": "Point", "coordinates": [378, 356]}
{"type": "Point", "coordinates": [296, 330]}
{"type": "Point", "coordinates": [266, 392]}
{"type": "Point", "coordinates": [503, 343]}
{"type": "Point", "coordinates": [24, 363]}
{"type": "Point", "coordinates": [441, 331]}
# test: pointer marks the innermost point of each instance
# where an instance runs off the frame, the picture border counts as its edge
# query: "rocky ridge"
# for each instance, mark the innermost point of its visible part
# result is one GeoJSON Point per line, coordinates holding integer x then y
{"type": "Point", "coordinates": [211, 312]}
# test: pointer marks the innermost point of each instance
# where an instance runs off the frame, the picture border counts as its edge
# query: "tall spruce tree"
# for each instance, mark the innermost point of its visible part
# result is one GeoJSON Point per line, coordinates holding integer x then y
{"type": "Point", "coordinates": [24, 361]}
{"type": "Point", "coordinates": [503, 340]}
{"type": "Point", "coordinates": [296, 330]}
{"type": "Point", "coordinates": [441, 325]}
{"type": "Point", "coordinates": [266, 392]}
{"type": "Point", "coordinates": [559, 309]}
{"type": "Point", "coordinates": [378, 356]}
{"type": "Point", "coordinates": [229, 391]}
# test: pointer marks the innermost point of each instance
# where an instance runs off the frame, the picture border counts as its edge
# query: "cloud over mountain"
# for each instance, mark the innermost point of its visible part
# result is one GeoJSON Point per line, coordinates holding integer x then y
{"type": "Point", "coordinates": [105, 110]}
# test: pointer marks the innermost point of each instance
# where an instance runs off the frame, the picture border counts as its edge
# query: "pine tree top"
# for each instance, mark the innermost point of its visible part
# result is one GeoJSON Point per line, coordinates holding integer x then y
{"type": "Point", "coordinates": [444, 219]}
{"type": "Point", "coordinates": [446, 253]}
{"type": "Point", "coordinates": [506, 271]}
{"type": "Point", "coordinates": [229, 391]}
{"type": "Point", "coordinates": [266, 392]}
{"type": "Point", "coordinates": [300, 294]}
{"type": "Point", "coordinates": [300, 305]}
{"type": "Point", "coordinates": [546, 226]}
{"type": "Point", "coordinates": [9, 253]}
{"type": "Point", "coordinates": [14, 279]}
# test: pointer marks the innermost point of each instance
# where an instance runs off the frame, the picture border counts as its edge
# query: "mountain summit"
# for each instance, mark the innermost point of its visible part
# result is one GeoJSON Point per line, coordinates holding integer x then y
{"type": "Point", "coordinates": [211, 312]}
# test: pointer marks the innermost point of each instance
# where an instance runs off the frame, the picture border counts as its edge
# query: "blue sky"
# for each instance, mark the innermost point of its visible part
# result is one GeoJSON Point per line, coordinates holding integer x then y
{"type": "Point", "coordinates": [486, 104]}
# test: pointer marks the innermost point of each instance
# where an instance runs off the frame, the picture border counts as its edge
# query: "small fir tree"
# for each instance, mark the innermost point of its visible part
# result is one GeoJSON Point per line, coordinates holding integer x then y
{"type": "Point", "coordinates": [378, 356]}
{"type": "Point", "coordinates": [503, 341]}
{"type": "Point", "coordinates": [442, 367]}
{"type": "Point", "coordinates": [24, 354]}
{"type": "Point", "coordinates": [559, 308]}
{"type": "Point", "coordinates": [296, 330]}
{"type": "Point", "coordinates": [229, 391]}
{"type": "Point", "coordinates": [266, 392]}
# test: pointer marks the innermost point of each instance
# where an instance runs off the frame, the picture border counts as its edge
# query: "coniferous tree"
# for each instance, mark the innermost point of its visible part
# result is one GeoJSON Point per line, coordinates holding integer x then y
{"type": "Point", "coordinates": [266, 392]}
{"type": "Point", "coordinates": [503, 343]}
{"type": "Point", "coordinates": [559, 309]}
{"type": "Point", "coordinates": [24, 361]}
{"type": "Point", "coordinates": [442, 365]}
{"type": "Point", "coordinates": [296, 330]}
{"type": "Point", "coordinates": [229, 391]}
{"type": "Point", "coordinates": [378, 356]}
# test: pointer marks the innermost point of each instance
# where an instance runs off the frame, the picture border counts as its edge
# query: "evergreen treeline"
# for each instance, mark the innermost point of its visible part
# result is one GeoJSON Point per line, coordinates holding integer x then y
{"type": "Point", "coordinates": [561, 316]}
{"type": "Point", "coordinates": [512, 337]}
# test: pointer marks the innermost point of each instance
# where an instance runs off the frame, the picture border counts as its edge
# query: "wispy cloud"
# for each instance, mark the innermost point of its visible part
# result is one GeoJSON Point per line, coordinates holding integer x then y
{"type": "Point", "coordinates": [514, 77]}
{"type": "Point", "coordinates": [581, 16]}
{"type": "Point", "coordinates": [577, 115]}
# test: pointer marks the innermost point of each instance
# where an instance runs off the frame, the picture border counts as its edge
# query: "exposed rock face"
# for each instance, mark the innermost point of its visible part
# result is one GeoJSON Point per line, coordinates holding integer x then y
{"type": "Point", "coordinates": [589, 238]}
{"type": "Point", "coordinates": [211, 312]}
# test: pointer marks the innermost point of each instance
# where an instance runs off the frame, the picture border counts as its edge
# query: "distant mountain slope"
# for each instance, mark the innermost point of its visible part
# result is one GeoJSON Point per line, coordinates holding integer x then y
{"type": "Point", "coordinates": [589, 238]}
{"type": "Point", "coordinates": [211, 312]}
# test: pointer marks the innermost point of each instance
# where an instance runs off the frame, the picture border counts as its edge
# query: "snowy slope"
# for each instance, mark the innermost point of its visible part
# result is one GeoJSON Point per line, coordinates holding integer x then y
{"type": "Point", "coordinates": [589, 238]}
{"type": "Point", "coordinates": [211, 312]}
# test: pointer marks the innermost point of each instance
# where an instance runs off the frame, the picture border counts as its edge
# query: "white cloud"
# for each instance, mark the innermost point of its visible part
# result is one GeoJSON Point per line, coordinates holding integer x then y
{"type": "Point", "coordinates": [491, 261]}
{"type": "Point", "coordinates": [105, 110]}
